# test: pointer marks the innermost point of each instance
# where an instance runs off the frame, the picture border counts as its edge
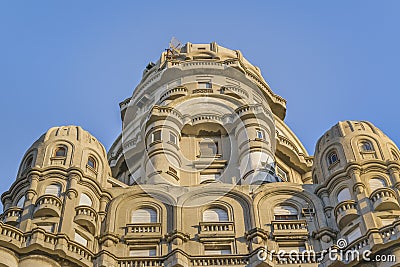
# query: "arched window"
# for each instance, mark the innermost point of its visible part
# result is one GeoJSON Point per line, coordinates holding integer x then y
{"type": "Point", "coordinates": [20, 202]}
{"type": "Point", "coordinates": [28, 162]}
{"type": "Point", "coordinates": [144, 215]}
{"type": "Point", "coordinates": [85, 200]}
{"type": "Point", "coordinates": [344, 195]}
{"type": "Point", "coordinates": [285, 212]}
{"type": "Point", "coordinates": [332, 158]}
{"type": "Point", "coordinates": [376, 183]}
{"type": "Point", "coordinates": [215, 215]}
{"type": "Point", "coordinates": [91, 162]}
{"type": "Point", "coordinates": [366, 146]}
{"type": "Point", "coordinates": [394, 155]}
{"type": "Point", "coordinates": [60, 152]}
{"type": "Point", "coordinates": [53, 189]}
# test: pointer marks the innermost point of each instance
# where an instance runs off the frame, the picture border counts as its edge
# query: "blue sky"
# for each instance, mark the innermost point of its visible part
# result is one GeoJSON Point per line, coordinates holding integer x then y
{"type": "Point", "coordinates": [72, 62]}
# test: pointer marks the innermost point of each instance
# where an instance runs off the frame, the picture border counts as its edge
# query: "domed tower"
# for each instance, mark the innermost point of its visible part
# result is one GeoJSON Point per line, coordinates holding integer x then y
{"type": "Point", "coordinates": [59, 186]}
{"type": "Point", "coordinates": [194, 113]}
{"type": "Point", "coordinates": [357, 168]}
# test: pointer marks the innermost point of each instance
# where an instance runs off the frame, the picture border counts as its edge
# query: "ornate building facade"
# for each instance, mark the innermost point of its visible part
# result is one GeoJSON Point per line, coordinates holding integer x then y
{"type": "Point", "coordinates": [204, 173]}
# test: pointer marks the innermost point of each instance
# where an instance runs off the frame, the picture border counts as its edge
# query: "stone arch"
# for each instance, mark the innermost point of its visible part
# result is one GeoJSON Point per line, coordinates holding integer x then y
{"type": "Point", "coordinates": [8, 258]}
{"type": "Point", "coordinates": [323, 156]}
{"type": "Point", "coordinates": [355, 142]}
{"type": "Point", "coordinates": [234, 201]}
{"type": "Point", "coordinates": [52, 146]}
{"type": "Point", "coordinates": [291, 194]}
{"type": "Point", "coordinates": [120, 208]}
{"type": "Point", "coordinates": [30, 153]}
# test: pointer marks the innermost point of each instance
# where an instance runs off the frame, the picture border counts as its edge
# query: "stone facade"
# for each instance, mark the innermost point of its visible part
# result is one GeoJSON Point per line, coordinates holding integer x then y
{"type": "Point", "coordinates": [204, 173]}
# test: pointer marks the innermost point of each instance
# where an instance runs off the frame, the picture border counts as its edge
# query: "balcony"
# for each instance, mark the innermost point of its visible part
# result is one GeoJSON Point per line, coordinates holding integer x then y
{"type": "Point", "coordinates": [12, 216]}
{"type": "Point", "coordinates": [384, 199]}
{"type": "Point", "coordinates": [292, 229]}
{"type": "Point", "coordinates": [47, 205]}
{"type": "Point", "coordinates": [142, 261]}
{"type": "Point", "coordinates": [143, 232]}
{"type": "Point", "coordinates": [216, 230]}
{"type": "Point", "coordinates": [203, 91]}
{"type": "Point", "coordinates": [234, 91]}
{"type": "Point", "coordinates": [86, 217]}
{"type": "Point", "coordinates": [174, 93]}
{"type": "Point", "coordinates": [219, 260]}
{"type": "Point", "coordinates": [345, 212]}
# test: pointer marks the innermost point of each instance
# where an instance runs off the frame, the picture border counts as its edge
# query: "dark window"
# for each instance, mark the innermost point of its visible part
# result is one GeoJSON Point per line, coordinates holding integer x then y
{"type": "Point", "coordinates": [366, 146]}
{"type": "Point", "coordinates": [260, 134]}
{"type": "Point", "coordinates": [29, 162]}
{"type": "Point", "coordinates": [332, 158]}
{"type": "Point", "coordinates": [173, 138]}
{"type": "Point", "coordinates": [285, 217]}
{"type": "Point", "coordinates": [61, 152]}
{"type": "Point", "coordinates": [91, 162]}
{"type": "Point", "coordinates": [205, 85]}
{"type": "Point", "coordinates": [208, 148]}
{"type": "Point", "coordinates": [156, 136]}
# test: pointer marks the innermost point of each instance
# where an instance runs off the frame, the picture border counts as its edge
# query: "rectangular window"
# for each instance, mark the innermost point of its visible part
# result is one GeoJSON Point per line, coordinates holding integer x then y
{"type": "Point", "coordinates": [387, 221]}
{"type": "Point", "coordinates": [156, 136]}
{"type": "Point", "coordinates": [217, 250]}
{"type": "Point", "coordinates": [204, 85]}
{"type": "Point", "coordinates": [285, 217]}
{"type": "Point", "coordinates": [281, 173]}
{"type": "Point", "coordinates": [134, 176]}
{"type": "Point", "coordinates": [208, 148]}
{"type": "Point", "coordinates": [209, 177]}
{"type": "Point", "coordinates": [142, 252]}
{"type": "Point", "coordinates": [53, 189]}
{"type": "Point", "coordinates": [260, 134]}
{"type": "Point", "coordinates": [173, 138]}
{"type": "Point", "coordinates": [47, 227]}
{"type": "Point", "coordinates": [353, 235]}
{"type": "Point", "coordinates": [80, 239]}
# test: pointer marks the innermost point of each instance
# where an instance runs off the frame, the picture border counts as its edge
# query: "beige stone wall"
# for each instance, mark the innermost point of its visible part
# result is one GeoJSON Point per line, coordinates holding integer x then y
{"type": "Point", "coordinates": [203, 136]}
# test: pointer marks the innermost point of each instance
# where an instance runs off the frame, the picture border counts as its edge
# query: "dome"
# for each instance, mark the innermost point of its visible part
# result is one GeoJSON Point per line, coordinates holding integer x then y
{"type": "Point", "coordinates": [67, 146]}
{"type": "Point", "coordinates": [348, 142]}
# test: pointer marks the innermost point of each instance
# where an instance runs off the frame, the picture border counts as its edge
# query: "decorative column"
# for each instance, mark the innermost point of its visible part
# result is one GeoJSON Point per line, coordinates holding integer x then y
{"type": "Point", "coordinates": [29, 205]}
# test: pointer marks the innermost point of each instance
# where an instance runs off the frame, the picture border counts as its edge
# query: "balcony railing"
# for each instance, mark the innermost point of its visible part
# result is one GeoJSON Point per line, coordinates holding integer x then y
{"type": "Point", "coordinates": [143, 232]}
{"type": "Point", "coordinates": [203, 91]}
{"type": "Point", "coordinates": [48, 205]}
{"type": "Point", "coordinates": [86, 216]}
{"type": "Point", "coordinates": [384, 199]}
{"type": "Point", "coordinates": [141, 262]}
{"type": "Point", "coordinates": [216, 230]}
{"type": "Point", "coordinates": [174, 93]}
{"type": "Point", "coordinates": [219, 260]}
{"type": "Point", "coordinates": [143, 228]}
{"type": "Point", "coordinates": [284, 228]}
{"type": "Point", "coordinates": [12, 215]}
{"type": "Point", "coordinates": [345, 212]}
{"type": "Point", "coordinates": [216, 226]}
{"type": "Point", "coordinates": [73, 251]}
{"type": "Point", "coordinates": [390, 232]}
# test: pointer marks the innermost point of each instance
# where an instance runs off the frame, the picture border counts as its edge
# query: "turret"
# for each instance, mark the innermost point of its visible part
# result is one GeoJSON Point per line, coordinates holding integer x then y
{"type": "Point", "coordinates": [59, 185]}
{"type": "Point", "coordinates": [357, 168]}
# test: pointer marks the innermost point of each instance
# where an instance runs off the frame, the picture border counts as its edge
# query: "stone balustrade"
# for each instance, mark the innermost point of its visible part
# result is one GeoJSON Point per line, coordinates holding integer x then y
{"type": "Point", "coordinates": [12, 215]}
{"type": "Point", "coordinates": [384, 199]}
{"type": "Point", "coordinates": [143, 228]}
{"type": "Point", "coordinates": [47, 205]}
{"type": "Point", "coordinates": [345, 212]}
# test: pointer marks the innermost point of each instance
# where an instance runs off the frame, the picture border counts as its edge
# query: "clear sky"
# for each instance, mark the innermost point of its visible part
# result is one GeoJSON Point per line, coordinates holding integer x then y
{"type": "Point", "coordinates": [72, 62]}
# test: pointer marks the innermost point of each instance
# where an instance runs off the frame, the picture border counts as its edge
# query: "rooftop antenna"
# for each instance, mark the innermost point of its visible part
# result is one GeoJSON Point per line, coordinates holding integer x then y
{"type": "Point", "coordinates": [174, 48]}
